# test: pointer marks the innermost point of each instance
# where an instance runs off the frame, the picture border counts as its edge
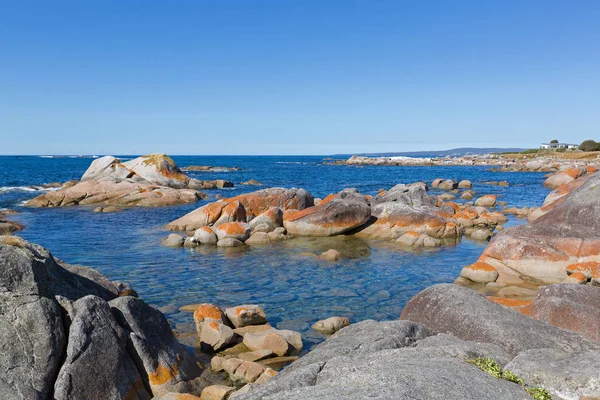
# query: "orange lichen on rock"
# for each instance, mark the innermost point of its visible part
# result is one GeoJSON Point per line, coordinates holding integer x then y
{"type": "Point", "coordinates": [208, 311]}
{"type": "Point", "coordinates": [586, 268]}
{"type": "Point", "coordinates": [240, 310]}
{"type": "Point", "coordinates": [164, 374]}
{"type": "Point", "coordinates": [512, 303]}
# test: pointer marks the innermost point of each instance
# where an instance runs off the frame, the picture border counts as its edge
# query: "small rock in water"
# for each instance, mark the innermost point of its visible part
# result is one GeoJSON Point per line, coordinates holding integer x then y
{"type": "Point", "coordinates": [481, 234]}
{"type": "Point", "coordinates": [489, 200]}
{"type": "Point", "coordinates": [465, 184]}
{"type": "Point", "coordinates": [205, 235]}
{"type": "Point", "coordinates": [252, 182]}
{"type": "Point", "coordinates": [229, 242]}
{"type": "Point", "coordinates": [108, 209]}
{"type": "Point", "coordinates": [331, 325]}
{"type": "Point", "coordinates": [330, 255]}
{"type": "Point", "coordinates": [173, 240]}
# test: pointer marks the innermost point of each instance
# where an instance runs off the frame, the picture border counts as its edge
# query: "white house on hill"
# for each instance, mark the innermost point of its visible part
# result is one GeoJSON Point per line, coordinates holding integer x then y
{"type": "Point", "coordinates": [559, 146]}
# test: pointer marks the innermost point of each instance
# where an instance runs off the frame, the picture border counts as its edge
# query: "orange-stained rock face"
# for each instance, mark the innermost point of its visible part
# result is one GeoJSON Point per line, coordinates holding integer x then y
{"type": "Point", "coordinates": [590, 169]}
{"type": "Point", "coordinates": [455, 206]}
{"type": "Point", "coordinates": [164, 374]}
{"type": "Point", "coordinates": [232, 228]}
{"type": "Point", "coordinates": [481, 266]}
{"type": "Point", "coordinates": [240, 310]}
{"type": "Point", "coordinates": [512, 303]}
{"type": "Point", "coordinates": [208, 311]}
{"type": "Point", "coordinates": [588, 269]}
{"type": "Point", "coordinates": [244, 207]}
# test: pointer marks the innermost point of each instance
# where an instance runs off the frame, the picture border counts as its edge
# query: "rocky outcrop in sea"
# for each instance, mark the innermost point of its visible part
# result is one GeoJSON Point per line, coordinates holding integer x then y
{"type": "Point", "coordinates": [148, 181]}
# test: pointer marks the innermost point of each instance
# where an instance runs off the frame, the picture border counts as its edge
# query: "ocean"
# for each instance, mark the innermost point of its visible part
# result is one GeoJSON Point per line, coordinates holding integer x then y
{"type": "Point", "coordinates": [374, 280]}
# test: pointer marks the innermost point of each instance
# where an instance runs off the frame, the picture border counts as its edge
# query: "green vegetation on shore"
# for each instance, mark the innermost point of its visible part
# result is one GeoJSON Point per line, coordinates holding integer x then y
{"type": "Point", "coordinates": [490, 366]}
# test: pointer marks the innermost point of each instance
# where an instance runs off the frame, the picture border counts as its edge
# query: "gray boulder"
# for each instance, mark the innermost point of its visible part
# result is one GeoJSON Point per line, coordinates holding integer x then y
{"type": "Point", "coordinates": [462, 312]}
{"type": "Point", "coordinates": [32, 345]}
{"type": "Point", "coordinates": [153, 346]}
{"type": "Point", "coordinates": [358, 363]}
{"type": "Point", "coordinates": [97, 363]}
{"type": "Point", "coordinates": [565, 375]}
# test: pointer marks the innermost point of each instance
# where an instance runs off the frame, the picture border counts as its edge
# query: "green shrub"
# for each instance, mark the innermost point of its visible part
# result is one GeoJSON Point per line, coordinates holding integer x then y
{"type": "Point", "coordinates": [530, 151]}
{"type": "Point", "coordinates": [539, 393]}
{"type": "Point", "coordinates": [554, 141]}
{"type": "Point", "coordinates": [510, 376]}
{"type": "Point", "coordinates": [490, 366]}
{"type": "Point", "coordinates": [588, 145]}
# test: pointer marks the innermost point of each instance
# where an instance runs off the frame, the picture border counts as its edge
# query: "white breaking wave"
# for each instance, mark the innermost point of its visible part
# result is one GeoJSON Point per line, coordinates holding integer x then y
{"type": "Point", "coordinates": [25, 189]}
{"type": "Point", "coordinates": [46, 156]}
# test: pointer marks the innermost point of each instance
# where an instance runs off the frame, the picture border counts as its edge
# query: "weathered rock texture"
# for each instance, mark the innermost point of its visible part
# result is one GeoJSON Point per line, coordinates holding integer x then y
{"type": "Point", "coordinates": [147, 181]}
{"type": "Point", "coordinates": [243, 208]}
{"type": "Point", "coordinates": [565, 232]}
{"type": "Point", "coordinates": [66, 333]}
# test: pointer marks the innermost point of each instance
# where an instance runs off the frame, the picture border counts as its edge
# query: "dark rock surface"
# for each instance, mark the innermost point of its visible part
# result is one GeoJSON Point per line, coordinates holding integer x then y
{"type": "Point", "coordinates": [60, 338]}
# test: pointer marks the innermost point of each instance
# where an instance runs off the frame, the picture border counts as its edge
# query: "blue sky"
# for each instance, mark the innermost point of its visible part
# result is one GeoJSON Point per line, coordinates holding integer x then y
{"type": "Point", "coordinates": [295, 77]}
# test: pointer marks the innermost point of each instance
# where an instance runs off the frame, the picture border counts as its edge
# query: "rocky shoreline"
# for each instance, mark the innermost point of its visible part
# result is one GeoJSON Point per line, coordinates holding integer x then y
{"type": "Point", "coordinates": [74, 334]}
{"type": "Point", "coordinates": [502, 163]}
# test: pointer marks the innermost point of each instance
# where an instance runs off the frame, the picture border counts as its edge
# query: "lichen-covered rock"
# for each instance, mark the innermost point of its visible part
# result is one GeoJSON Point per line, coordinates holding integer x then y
{"type": "Point", "coordinates": [205, 235]}
{"type": "Point", "coordinates": [96, 359]}
{"type": "Point", "coordinates": [560, 178]}
{"type": "Point", "coordinates": [247, 314]}
{"type": "Point", "coordinates": [566, 233]}
{"type": "Point", "coordinates": [154, 348]}
{"type": "Point", "coordinates": [233, 230]}
{"type": "Point", "coordinates": [480, 272]}
{"type": "Point", "coordinates": [147, 181]}
{"type": "Point", "coordinates": [569, 307]}
{"type": "Point", "coordinates": [216, 335]}
{"type": "Point", "coordinates": [334, 215]}
{"type": "Point", "coordinates": [406, 208]}
{"type": "Point", "coordinates": [253, 205]}
{"type": "Point", "coordinates": [462, 312]}
{"type": "Point", "coordinates": [207, 312]}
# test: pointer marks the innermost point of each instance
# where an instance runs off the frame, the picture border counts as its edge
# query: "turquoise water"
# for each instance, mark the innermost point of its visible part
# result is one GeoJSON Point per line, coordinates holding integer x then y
{"type": "Point", "coordinates": [373, 280]}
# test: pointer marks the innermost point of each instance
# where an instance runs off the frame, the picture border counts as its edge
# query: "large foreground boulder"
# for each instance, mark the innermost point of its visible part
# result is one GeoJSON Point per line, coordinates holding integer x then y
{"type": "Point", "coordinates": [566, 231]}
{"type": "Point", "coordinates": [147, 181]}
{"type": "Point", "coordinates": [66, 333]}
{"type": "Point", "coordinates": [389, 360]}
{"type": "Point", "coordinates": [462, 312]}
{"type": "Point", "coordinates": [573, 307]}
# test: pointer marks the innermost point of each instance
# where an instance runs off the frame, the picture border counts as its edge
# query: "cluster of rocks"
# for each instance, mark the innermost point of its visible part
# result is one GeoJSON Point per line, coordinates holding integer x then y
{"type": "Point", "coordinates": [147, 181]}
{"type": "Point", "coordinates": [70, 333]}
{"type": "Point", "coordinates": [560, 244]}
{"type": "Point", "coordinates": [8, 227]}
{"type": "Point", "coordinates": [428, 354]}
{"type": "Point", "coordinates": [246, 346]}
{"type": "Point", "coordinates": [404, 213]}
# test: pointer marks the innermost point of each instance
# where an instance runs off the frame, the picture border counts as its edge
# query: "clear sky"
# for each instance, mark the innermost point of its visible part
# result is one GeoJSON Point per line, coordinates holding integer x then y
{"type": "Point", "coordinates": [295, 77]}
